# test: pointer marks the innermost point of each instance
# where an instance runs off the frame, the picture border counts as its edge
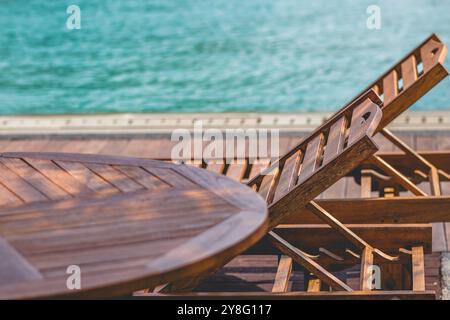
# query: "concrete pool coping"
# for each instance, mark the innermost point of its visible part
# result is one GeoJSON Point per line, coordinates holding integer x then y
{"type": "Point", "coordinates": [139, 123]}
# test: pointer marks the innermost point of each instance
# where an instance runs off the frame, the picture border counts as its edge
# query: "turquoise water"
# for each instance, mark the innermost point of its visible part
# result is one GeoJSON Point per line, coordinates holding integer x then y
{"type": "Point", "coordinates": [199, 55]}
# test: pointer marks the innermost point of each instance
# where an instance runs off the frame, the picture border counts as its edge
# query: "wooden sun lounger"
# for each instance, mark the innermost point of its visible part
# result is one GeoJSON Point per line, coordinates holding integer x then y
{"type": "Point", "coordinates": [406, 82]}
{"type": "Point", "coordinates": [400, 87]}
{"type": "Point", "coordinates": [302, 174]}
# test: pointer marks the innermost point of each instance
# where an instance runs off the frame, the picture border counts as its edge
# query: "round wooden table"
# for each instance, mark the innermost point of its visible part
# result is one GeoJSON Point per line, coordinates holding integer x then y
{"type": "Point", "coordinates": [114, 225]}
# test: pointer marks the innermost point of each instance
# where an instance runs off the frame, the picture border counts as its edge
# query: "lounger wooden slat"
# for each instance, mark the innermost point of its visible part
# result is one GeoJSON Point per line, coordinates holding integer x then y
{"type": "Point", "coordinates": [217, 167]}
{"type": "Point", "coordinates": [258, 166]}
{"type": "Point", "coordinates": [409, 71]}
{"type": "Point", "coordinates": [390, 89]}
{"type": "Point", "coordinates": [289, 175]}
{"type": "Point", "coordinates": [336, 139]}
{"type": "Point", "coordinates": [266, 183]}
{"type": "Point", "coordinates": [236, 170]}
{"type": "Point", "coordinates": [273, 186]}
{"type": "Point", "coordinates": [311, 158]}
{"type": "Point", "coordinates": [194, 163]}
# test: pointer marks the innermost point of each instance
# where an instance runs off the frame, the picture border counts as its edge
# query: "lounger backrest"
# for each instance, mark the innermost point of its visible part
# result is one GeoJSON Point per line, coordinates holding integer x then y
{"type": "Point", "coordinates": [321, 159]}
{"type": "Point", "coordinates": [411, 78]}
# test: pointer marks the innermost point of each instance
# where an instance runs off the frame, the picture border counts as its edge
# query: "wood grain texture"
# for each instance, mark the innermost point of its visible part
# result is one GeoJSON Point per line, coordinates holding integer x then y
{"type": "Point", "coordinates": [366, 269]}
{"type": "Point", "coordinates": [289, 174]}
{"type": "Point", "coordinates": [19, 186]}
{"type": "Point", "coordinates": [85, 176]}
{"type": "Point", "coordinates": [409, 71]}
{"type": "Point", "coordinates": [311, 158]}
{"type": "Point", "coordinates": [418, 269]}
{"type": "Point", "coordinates": [123, 240]}
{"type": "Point", "coordinates": [390, 88]}
{"type": "Point", "coordinates": [336, 139]}
{"type": "Point", "coordinates": [58, 176]}
{"type": "Point", "coordinates": [281, 283]}
{"type": "Point", "coordinates": [402, 210]}
{"type": "Point", "coordinates": [35, 178]}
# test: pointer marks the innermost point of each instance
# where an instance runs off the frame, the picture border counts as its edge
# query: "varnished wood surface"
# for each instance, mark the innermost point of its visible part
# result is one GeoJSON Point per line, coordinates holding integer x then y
{"type": "Point", "coordinates": [127, 223]}
{"type": "Point", "coordinates": [434, 146]}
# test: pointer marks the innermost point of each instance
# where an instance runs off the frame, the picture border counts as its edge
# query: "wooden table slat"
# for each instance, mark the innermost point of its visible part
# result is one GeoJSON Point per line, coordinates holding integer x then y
{"type": "Point", "coordinates": [168, 223]}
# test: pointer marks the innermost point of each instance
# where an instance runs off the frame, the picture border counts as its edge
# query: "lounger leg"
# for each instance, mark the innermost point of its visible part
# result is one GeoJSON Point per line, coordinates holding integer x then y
{"type": "Point", "coordinates": [281, 283]}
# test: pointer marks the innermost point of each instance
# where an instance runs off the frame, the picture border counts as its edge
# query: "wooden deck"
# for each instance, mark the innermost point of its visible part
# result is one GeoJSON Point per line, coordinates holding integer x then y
{"type": "Point", "coordinates": [238, 275]}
